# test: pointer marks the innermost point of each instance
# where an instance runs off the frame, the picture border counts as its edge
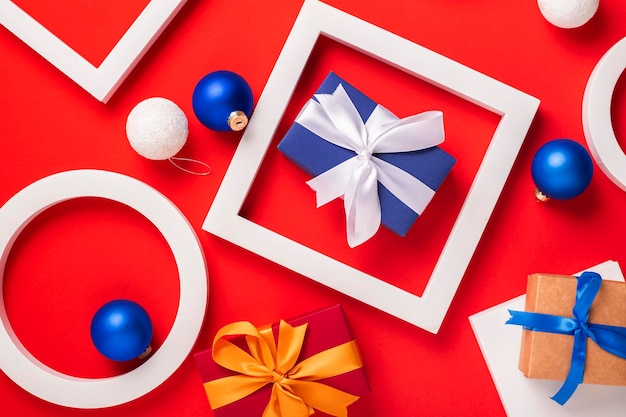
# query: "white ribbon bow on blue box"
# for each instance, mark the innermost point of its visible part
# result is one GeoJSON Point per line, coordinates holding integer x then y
{"type": "Point", "coordinates": [333, 118]}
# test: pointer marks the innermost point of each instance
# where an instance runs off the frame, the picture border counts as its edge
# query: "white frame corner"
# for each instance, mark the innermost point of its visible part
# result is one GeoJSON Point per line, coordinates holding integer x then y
{"type": "Point", "coordinates": [102, 81]}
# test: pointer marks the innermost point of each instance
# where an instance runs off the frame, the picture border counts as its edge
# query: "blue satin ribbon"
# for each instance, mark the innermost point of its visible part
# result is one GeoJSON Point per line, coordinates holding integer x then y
{"type": "Point", "coordinates": [610, 338]}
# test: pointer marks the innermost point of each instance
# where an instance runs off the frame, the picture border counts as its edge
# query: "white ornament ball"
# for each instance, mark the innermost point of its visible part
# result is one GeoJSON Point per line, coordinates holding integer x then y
{"type": "Point", "coordinates": [157, 128]}
{"type": "Point", "coordinates": [568, 14]}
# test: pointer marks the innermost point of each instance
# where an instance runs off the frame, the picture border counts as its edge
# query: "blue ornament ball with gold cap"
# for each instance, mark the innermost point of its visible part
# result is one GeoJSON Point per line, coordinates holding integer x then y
{"type": "Point", "coordinates": [223, 101]}
{"type": "Point", "coordinates": [561, 169]}
{"type": "Point", "coordinates": [121, 330]}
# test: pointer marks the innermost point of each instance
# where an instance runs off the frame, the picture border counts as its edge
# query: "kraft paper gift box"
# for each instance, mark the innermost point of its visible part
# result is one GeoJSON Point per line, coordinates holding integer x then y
{"type": "Point", "coordinates": [316, 155]}
{"type": "Point", "coordinates": [325, 329]}
{"type": "Point", "coordinates": [548, 355]}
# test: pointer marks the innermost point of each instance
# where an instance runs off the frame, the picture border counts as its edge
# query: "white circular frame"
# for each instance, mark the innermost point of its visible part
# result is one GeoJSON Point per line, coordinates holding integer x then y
{"type": "Point", "coordinates": [88, 393]}
{"type": "Point", "coordinates": [597, 122]}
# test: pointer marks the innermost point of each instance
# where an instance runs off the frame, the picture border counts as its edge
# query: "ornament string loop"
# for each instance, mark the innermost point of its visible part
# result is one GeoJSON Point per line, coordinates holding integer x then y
{"type": "Point", "coordinates": [176, 161]}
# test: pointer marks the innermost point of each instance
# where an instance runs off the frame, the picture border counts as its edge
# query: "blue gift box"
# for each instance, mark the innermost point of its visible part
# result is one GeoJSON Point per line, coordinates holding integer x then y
{"type": "Point", "coordinates": [315, 155]}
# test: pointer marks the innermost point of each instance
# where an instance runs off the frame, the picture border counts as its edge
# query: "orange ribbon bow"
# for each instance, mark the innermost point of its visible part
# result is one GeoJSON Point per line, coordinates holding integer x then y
{"type": "Point", "coordinates": [295, 392]}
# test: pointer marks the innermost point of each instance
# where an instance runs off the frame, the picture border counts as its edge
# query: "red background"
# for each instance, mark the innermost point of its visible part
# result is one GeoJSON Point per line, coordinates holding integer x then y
{"type": "Point", "coordinates": [82, 253]}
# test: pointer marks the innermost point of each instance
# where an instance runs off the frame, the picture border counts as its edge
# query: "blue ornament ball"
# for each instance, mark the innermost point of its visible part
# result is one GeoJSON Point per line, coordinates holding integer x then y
{"type": "Point", "coordinates": [222, 101]}
{"type": "Point", "coordinates": [121, 330]}
{"type": "Point", "coordinates": [562, 169]}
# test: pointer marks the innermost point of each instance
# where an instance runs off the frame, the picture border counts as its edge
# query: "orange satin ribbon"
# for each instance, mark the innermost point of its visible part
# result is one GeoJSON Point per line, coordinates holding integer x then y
{"type": "Point", "coordinates": [295, 392]}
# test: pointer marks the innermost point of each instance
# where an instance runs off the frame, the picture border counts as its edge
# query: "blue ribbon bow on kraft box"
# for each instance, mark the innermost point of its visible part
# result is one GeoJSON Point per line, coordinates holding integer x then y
{"type": "Point", "coordinates": [573, 331]}
{"type": "Point", "coordinates": [386, 169]}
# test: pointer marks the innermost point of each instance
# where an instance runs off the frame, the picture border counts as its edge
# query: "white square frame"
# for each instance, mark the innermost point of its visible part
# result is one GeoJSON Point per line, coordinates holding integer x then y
{"type": "Point", "coordinates": [102, 81]}
{"type": "Point", "coordinates": [516, 108]}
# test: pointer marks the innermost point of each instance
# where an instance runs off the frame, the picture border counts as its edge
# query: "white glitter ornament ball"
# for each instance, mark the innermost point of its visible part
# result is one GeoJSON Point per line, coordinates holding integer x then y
{"type": "Point", "coordinates": [568, 14]}
{"type": "Point", "coordinates": [157, 128]}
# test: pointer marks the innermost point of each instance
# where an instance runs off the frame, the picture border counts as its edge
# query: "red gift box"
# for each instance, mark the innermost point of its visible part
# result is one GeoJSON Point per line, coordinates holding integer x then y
{"type": "Point", "coordinates": [325, 329]}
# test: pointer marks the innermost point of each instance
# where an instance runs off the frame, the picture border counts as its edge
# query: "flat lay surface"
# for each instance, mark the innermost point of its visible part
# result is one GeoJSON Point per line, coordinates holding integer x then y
{"type": "Point", "coordinates": [82, 253]}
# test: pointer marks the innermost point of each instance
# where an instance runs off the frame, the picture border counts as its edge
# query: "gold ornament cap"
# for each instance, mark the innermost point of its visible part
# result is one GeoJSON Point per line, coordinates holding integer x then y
{"type": "Point", "coordinates": [145, 353]}
{"type": "Point", "coordinates": [237, 120]}
{"type": "Point", "coordinates": [541, 196]}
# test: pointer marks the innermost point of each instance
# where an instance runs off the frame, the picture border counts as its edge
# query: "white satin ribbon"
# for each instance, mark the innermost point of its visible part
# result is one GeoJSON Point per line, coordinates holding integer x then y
{"type": "Point", "coordinates": [335, 119]}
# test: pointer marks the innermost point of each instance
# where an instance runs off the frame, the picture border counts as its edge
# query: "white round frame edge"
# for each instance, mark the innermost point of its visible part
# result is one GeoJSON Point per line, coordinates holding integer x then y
{"type": "Point", "coordinates": [597, 123]}
{"type": "Point", "coordinates": [86, 393]}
